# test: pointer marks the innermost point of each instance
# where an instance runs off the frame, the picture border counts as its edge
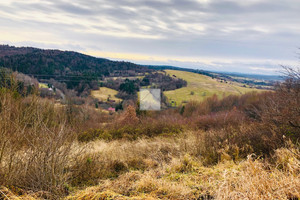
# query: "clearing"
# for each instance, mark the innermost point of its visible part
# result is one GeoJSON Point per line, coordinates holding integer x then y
{"type": "Point", "coordinates": [199, 87]}
{"type": "Point", "coordinates": [104, 93]}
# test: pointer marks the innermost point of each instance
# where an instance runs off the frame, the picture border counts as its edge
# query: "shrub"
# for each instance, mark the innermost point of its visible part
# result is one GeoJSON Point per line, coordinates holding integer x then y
{"type": "Point", "coordinates": [220, 120]}
{"type": "Point", "coordinates": [35, 145]}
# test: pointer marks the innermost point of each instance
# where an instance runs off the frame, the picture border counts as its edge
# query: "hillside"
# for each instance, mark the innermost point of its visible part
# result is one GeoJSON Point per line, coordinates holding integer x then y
{"type": "Point", "coordinates": [199, 87]}
{"type": "Point", "coordinates": [255, 80]}
{"type": "Point", "coordinates": [83, 73]}
{"type": "Point", "coordinates": [56, 63]}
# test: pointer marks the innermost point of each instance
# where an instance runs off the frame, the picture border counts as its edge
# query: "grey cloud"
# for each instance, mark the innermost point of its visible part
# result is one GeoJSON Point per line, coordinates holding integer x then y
{"type": "Point", "coordinates": [74, 9]}
{"type": "Point", "coordinates": [23, 6]}
{"type": "Point", "coordinates": [218, 28]}
{"type": "Point", "coordinates": [236, 8]}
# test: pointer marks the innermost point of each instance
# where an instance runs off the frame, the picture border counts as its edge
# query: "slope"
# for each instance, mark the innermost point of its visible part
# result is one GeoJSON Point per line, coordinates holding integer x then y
{"type": "Point", "coordinates": [199, 87]}
{"type": "Point", "coordinates": [56, 63]}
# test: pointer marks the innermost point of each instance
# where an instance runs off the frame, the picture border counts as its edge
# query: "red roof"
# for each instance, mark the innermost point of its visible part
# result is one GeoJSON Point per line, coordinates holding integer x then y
{"type": "Point", "coordinates": [111, 109]}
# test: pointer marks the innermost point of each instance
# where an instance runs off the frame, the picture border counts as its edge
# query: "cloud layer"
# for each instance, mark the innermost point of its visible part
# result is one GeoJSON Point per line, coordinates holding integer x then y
{"type": "Point", "coordinates": [232, 35]}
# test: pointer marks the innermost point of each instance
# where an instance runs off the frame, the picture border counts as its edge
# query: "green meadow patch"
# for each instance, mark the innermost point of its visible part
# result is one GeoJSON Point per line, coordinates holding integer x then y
{"type": "Point", "coordinates": [200, 87]}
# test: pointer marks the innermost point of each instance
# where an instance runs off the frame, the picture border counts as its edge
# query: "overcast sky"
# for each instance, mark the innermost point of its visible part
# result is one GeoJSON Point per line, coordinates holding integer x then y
{"type": "Point", "coordinates": [252, 36]}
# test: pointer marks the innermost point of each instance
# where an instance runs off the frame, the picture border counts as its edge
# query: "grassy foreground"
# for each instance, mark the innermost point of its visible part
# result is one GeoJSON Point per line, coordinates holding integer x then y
{"type": "Point", "coordinates": [168, 171]}
{"type": "Point", "coordinates": [200, 87]}
{"type": "Point", "coordinates": [165, 168]}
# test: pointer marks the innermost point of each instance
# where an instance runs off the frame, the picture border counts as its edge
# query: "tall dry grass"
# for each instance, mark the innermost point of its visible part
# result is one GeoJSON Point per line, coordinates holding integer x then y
{"type": "Point", "coordinates": [169, 170]}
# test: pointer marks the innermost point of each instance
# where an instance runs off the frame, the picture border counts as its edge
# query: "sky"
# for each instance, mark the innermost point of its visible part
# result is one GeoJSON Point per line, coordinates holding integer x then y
{"type": "Point", "coordinates": [246, 36]}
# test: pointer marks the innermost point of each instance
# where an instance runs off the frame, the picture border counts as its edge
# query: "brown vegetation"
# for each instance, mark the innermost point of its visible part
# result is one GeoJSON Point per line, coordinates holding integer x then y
{"type": "Point", "coordinates": [232, 148]}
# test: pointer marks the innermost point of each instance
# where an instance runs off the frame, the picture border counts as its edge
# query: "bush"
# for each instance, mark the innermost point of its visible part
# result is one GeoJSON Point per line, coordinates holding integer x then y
{"type": "Point", "coordinates": [220, 120]}
{"type": "Point", "coordinates": [35, 145]}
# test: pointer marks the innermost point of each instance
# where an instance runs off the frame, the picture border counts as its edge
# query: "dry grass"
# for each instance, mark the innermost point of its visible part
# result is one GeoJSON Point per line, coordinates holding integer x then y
{"type": "Point", "coordinates": [169, 172]}
{"type": "Point", "coordinates": [172, 168]}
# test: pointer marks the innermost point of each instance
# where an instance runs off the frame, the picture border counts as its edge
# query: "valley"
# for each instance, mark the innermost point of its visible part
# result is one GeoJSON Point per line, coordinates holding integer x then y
{"type": "Point", "coordinates": [149, 100]}
{"type": "Point", "coordinates": [72, 127]}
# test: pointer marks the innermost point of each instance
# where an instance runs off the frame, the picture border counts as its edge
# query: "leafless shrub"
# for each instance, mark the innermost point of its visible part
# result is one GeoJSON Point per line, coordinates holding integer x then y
{"type": "Point", "coordinates": [35, 144]}
{"type": "Point", "coordinates": [280, 111]}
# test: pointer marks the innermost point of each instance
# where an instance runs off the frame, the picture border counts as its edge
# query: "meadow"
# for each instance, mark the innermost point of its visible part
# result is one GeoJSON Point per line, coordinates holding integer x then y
{"type": "Point", "coordinates": [104, 93]}
{"type": "Point", "coordinates": [199, 87]}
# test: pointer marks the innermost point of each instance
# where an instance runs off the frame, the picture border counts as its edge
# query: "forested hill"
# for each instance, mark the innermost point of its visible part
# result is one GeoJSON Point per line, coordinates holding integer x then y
{"type": "Point", "coordinates": [41, 62]}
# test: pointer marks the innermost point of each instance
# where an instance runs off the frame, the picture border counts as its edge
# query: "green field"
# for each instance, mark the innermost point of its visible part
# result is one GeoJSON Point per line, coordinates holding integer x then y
{"type": "Point", "coordinates": [103, 93]}
{"type": "Point", "coordinates": [199, 87]}
{"type": "Point", "coordinates": [43, 85]}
